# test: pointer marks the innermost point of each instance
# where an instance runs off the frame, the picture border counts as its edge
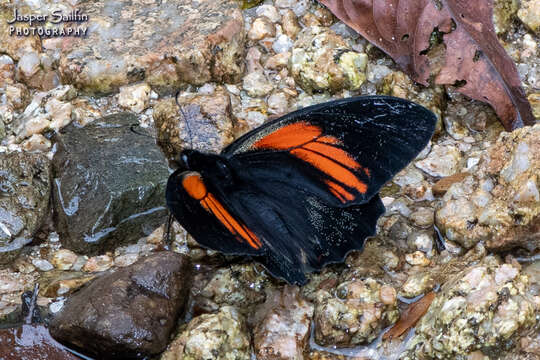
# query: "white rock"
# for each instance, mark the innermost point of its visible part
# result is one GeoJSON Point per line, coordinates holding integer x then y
{"type": "Point", "coordinates": [134, 97]}
{"type": "Point", "coordinates": [256, 84]}
{"type": "Point", "coordinates": [442, 161]}
{"type": "Point", "coordinates": [278, 103]}
{"type": "Point", "coordinates": [36, 142]}
{"type": "Point", "coordinates": [29, 64]}
{"type": "Point", "coordinates": [269, 11]}
{"type": "Point", "coordinates": [261, 28]}
{"type": "Point", "coordinates": [282, 44]}
{"type": "Point", "coordinates": [42, 265]}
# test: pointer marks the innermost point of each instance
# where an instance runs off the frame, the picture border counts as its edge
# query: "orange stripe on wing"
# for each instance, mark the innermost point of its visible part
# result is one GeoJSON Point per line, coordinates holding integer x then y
{"type": "Point", "coordinates": [213, 205]}
{"type": "Point", "coordinates": [339, 191]}
{"type": "Point", "coordinates": [331, 168]}
{"type": "Point", "coordinates": [289, 136]}
{"type": "Point", "coordinates": [334, 153]}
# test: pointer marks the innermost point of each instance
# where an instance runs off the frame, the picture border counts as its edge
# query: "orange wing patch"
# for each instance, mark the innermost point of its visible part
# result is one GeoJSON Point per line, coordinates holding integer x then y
{"type": "Point", "coordinates": [194, 186]}
{"type": "Point", "coordinates": [306, 142]}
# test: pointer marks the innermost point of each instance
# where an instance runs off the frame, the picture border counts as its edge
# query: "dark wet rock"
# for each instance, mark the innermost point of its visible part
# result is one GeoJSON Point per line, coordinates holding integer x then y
{"type": "Point", "coordinates": [25, 188]}
{"type": "Point", "coordinates": [109, 185]}
{"type": "Point", "coordinates": [166, 44]}
{"type": "Point", "coordinates": [128, 313]}
{"type": "Point", "coordinates": [282, 325]}
{"type": "Point", "coordinates": [211, 126]}
{"type": "Point", "coordinates": [500, 202]}
{"type": "Point", "coordinates": [31, 342]}
{"type": "Point", "coordinates": [222, 335]}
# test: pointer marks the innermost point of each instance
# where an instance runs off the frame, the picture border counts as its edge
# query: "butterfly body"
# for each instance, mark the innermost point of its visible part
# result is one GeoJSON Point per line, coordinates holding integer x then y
{"type": "Point", "coordinates": [301, 191]}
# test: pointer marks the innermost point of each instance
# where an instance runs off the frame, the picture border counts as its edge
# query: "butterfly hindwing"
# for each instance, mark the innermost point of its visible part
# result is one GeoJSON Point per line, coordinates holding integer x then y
{"type": "Point", "coordinates": [349, 148]}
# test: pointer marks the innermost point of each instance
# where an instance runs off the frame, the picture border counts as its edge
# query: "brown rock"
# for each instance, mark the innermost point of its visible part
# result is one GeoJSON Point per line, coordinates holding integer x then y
{"type": "Point", "coordinates": [207, 115]}
{"type": "Point", "coordinates": [165, 44]}
{"type": "Point", "coordinates": [283, 325]}
{"type": "Point", "coordinates": [129, 312]}
{"type": "Point", "coordinates": [441, 186]}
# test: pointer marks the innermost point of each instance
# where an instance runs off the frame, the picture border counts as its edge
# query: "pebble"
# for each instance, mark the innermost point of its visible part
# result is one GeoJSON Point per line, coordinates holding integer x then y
{"type": "Point", "coordinates": [268, 11]}
{"type": "Point", "coordinates": [417, 258]}
{"type": "Point", "coordinates": [278, 61]}
{"type": "Point", "coordinates": [36, 142]}
{"type": "Point", "coordinates": [278, 103]}
{"type": "Point", "coordinates": [256, 84]}
{"type": "Point", "coordinates": [261, 28]}
{"type": "Point", "coordinates": [126, 259]}
{"type": "Point", "coordinates": [443, 160]}
{"type": "Point", "coordinates": [59, 113]}
{"type": "Point", "coordinates": [98, 263]}
{"type": "Point", "coordinates": [28, 64]}
{"type": "Point", "coordinates": [134, 97]}
{"type": "Point", "coordinates": [282, 44]}
{"type": "Point", "coordinates": [42, 265]}
{"type": "Point", "coordinates": [64, 259]}
{"type": "Point", "coordinates": [291, 27]}
{"type": "Point", "coordinates": [388, 295]}
{"type": "Point", "coordinates": [423, 217]}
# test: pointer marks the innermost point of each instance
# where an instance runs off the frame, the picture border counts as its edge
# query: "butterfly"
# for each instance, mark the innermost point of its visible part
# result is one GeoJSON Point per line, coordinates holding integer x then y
{"type": "Point", "coordinates": [301, 191]}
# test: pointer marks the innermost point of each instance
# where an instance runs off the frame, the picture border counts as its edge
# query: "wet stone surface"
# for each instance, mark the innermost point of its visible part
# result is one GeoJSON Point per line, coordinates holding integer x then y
{"type": "Point", "coordinates": [130, 312]}
{"type": "Point", "coordinates": [25, 188]}
{"type": "Point", "coordinates": [164, 43]}
{"type": "Point", "coordinates": [109, 185]}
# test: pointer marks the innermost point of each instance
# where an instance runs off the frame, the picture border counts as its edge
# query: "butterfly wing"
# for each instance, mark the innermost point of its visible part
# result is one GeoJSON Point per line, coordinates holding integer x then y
{"type": "Point", "coordinates": [343, 151]}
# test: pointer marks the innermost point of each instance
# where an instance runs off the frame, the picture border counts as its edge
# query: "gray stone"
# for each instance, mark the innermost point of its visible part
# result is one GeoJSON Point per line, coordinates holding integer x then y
{"type": "Point", "coordinates": [128, 313]}
{"type": "Point", "coordinates": [109, 185]}
{"type": "Point", "coordinates": [25, 188]}
{"type": "Point", "coordinates": [165, 44]}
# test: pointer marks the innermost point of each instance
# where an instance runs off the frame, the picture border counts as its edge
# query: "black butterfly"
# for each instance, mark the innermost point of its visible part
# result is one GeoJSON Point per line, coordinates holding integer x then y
{"type": "Point", "coordinates": [300, 192]}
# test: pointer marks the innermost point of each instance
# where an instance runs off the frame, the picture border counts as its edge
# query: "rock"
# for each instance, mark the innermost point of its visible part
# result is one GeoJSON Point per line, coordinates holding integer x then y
{"type": "Point", "coordinates": [16, 46]}
{"type": "Point", "coordinates": [42, 265]}
{"type": "Point", "coordinates": [7, 70]}
{"type": "Point", "coordinates": [480, 308]}
{"type": "Point", "coordinates": [239, 285]}
{"type": "Point", "coordinates": [355, 316]}
{"type": "Point", "coordinates": [422, 217]}
{"type": "Point", "coordinates": [442, 161]}
{"type": "Point", "coordinates": [222, 335]}
{"type": "Point", "coordinates": [417, 284]}
{"type": "Point", "coordinates": [163, 44]}
{"type": "Point", "coordinates": [499, 203]}
{"type": "Point", "coordinates": [134, 97]}
{"type": "Point", "coordinates": [17, 96]}
{"type": "Point", "coordinates": [98, 264]}
{"type": "Point", "coordinates": [261, 28]}
{"type": "Point", "coordinates": [32, 342]}
{"type": "Point", "coordinates": [36, 142]}
{"type": "Point", "coordinates": [58, 283]}
{"type": "Point", "coordinates": [529, 14]}
{"type": "Point", "coordinates": [256, 84]}
{"type": "Point", "coordinates": [278, 103]}
{"type": "Point", "coordinates": [290, 24]}
{"type": "Point", "coordinates": [128, 313]}
{"type": "Point", "coordinates": [109, 185]}
{"type": "Point", "coordinates": [504, 12]}
{"type": "Point", "coordinates": [59, 112]}
{"type": "Point", "coordinates": [322, 61]}
{"type": "Point", "coordinates": [24, 204]}
{"type": "Point", "coordinates": [282, 326]}
{"type": "Point", "coordinates": [208, 117]}
{"type": "Point", "coordinates": [64, 259]}
{"type": "Point", "coordinates": [417, 258]}
{"type": "Point", "coordinates": [282, 44]}
{"type": "Point", "coordinates": [268, 11]}
{"type": "Point", "coordinates": [534, 99]}
{"type": "Point", "coordinates": [442, 185]}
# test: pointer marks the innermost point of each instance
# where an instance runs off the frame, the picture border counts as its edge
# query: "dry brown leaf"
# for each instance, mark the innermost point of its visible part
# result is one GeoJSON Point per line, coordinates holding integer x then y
{"type": "Point", "coordinates": [475, 59]}
{"type": "Point", "coordinates": [410, 317]}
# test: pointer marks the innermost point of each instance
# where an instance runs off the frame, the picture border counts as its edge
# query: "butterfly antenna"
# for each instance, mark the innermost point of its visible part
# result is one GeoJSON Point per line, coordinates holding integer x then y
{"type": "Point", "coordinates": [167, 238]}
{"type": "Point", "coordinates": [186, 120]}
